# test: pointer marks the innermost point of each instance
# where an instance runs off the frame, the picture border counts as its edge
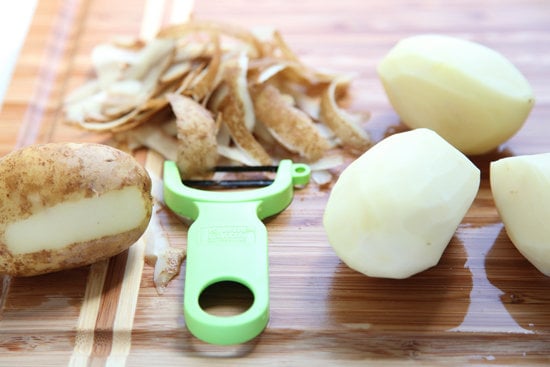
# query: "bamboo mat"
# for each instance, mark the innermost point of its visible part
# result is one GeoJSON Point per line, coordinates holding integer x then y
{"type": "Point", "coordinates": [483, 304]}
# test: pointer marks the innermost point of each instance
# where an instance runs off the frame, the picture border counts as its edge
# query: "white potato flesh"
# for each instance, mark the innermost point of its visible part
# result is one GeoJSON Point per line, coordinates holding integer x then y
{"type": "Point", "coordinates": [471, 95]}
{"type": "Point", "coordinates": [62, 225]}
{"type": "Point", "coordinates": [393, 211]}
{"type": "Point", "coordinates": [521, 191]}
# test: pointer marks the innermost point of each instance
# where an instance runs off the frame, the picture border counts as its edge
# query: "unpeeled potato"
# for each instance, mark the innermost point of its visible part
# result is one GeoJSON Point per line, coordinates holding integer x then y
{"type": "Point", "coordinates": [469, 94]}
{"type": "Point", "coordinates": [64, 205]}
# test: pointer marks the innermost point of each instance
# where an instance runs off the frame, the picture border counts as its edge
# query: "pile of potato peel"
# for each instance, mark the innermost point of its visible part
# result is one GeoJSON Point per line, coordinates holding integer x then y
{"type": "Point", "coordinates": [204, 92]}
{"type": "Point", "coordinates": [246, 92]}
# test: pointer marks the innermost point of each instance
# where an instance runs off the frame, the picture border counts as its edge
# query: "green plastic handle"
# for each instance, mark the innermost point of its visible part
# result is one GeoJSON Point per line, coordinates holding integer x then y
{"type": "Point", "coordinates": [228, 242]}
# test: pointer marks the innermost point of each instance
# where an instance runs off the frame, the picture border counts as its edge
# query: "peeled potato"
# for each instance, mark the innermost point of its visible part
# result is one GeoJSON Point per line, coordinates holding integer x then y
{"type": "Point", "coordinates": [393, 211]}
{"type": "Point", "coordinates": [520, 187]}
{"type": "Point", "coordinates": [64, 205]}
{"type": "Point", "coordinates": [468, 93]}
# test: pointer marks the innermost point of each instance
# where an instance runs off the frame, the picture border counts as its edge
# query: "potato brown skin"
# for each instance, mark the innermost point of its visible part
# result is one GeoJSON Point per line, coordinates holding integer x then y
{"type": "Point", "coordinates": [43, 175]}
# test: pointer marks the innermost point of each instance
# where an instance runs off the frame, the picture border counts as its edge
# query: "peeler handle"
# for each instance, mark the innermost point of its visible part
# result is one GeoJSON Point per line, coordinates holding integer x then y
{"type": "Point", "coordinates": [227, 242]}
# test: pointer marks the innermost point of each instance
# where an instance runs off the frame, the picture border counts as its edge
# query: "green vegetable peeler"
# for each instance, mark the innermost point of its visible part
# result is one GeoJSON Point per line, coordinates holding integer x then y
{"type": "Point", "coordinates": [227, 241]}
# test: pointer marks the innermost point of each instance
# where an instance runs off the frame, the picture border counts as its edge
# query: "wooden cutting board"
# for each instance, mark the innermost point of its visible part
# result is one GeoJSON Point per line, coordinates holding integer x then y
{"type": "Point", "coordinates": [483, 304]}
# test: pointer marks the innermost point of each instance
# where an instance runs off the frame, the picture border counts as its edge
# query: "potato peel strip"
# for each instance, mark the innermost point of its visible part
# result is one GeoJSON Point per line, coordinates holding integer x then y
{"type": "Point", "coordinates": [289, 125]}
{"type": "Point", "coordinates": [340, 122]}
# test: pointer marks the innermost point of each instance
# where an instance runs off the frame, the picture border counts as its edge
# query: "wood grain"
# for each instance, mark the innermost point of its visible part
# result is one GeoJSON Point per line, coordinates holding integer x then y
{"type": "Point", "coordinates": [483, 304]}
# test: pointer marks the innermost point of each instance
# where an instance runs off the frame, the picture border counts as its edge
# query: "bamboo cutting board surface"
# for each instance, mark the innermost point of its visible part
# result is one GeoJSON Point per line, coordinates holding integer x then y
{"type": "Point", "coordinates": [483, 304]}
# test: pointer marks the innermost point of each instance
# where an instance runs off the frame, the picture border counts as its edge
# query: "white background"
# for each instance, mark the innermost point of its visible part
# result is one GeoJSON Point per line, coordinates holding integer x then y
{"type": "Point", "coordinates": [15, 18]}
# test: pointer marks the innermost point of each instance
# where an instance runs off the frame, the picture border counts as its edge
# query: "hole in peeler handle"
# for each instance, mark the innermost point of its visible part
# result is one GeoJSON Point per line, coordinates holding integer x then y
{"type": "Point", "coordinates": [226, 298]}
{"type": "Point", "coordinates": [300, 169]}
